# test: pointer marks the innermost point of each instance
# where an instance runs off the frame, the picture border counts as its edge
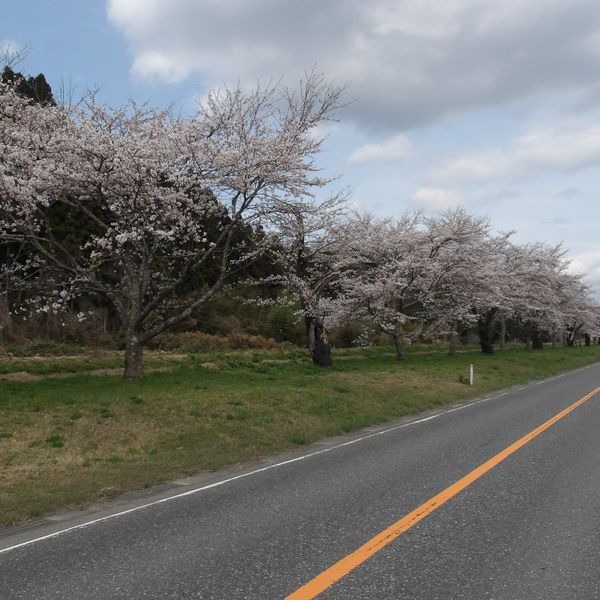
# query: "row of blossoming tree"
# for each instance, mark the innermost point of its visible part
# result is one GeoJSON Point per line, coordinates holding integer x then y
{"type": "Point", "coordinates": [155, 204]}
{"type": "Point", "coordinates": [428, 274]}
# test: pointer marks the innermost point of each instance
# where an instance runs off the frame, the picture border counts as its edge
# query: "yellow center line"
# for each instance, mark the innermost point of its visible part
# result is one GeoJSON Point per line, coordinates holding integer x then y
{"type": "Point", "coordinates": [347, 564]}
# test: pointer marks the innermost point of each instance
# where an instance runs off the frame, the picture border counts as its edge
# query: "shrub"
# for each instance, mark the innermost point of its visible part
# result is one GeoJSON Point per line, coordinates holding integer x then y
{"type": "Point", "coordinates": [345, 336]}
{"type": "Point", "coordinates": [281, 323]}
{"type": "Point", "coordinates": [197, 342]}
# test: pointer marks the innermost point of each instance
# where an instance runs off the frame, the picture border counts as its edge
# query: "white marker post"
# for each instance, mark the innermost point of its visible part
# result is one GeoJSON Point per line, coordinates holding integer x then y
{"type": "Point", "coordinates": [470, 374]}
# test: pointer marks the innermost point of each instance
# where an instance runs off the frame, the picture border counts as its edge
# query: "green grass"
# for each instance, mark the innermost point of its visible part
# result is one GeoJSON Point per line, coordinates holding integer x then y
{"type": "Point", "coordinates": [68, 442]}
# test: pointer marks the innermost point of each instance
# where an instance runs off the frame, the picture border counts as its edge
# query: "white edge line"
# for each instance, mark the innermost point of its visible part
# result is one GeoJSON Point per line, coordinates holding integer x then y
{"type": "Point", "coordinates": [262, 469]}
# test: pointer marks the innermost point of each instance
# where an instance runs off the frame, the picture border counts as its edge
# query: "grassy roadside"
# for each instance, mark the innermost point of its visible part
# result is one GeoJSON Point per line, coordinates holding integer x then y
{"type": "Point", "coordinates": [67, 442]}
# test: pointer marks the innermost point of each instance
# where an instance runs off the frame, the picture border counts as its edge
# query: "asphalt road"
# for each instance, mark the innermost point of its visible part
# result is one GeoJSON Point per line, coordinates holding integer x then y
{"type": "Point", "coordinates": [529, 528]}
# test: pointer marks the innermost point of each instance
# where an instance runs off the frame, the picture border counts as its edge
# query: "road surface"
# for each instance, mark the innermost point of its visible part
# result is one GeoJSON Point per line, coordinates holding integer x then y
{"type": "Point", "coordinates": [522, 524]}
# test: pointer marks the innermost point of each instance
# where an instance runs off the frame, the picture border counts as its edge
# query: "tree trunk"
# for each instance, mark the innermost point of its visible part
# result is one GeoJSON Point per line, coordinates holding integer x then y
{"type": "Point", "coordinates": [452, 338]}
{"type": "Point", "coordinates": [320, 350]}
{"type": "Point", "coordinates": [588, 339]}
{"type": "Point", "coordinates": [571, 335]}
{"type": "Point", "coordinates": [502, 333]}
{"type": "Point", "coordinates": [537, 342]}
{"type": "Point", "coordinates": [399, 345]}
{"type": "Point", "coordinates": [5, 320]}
{"type": "Point", "coordinates": [486, 334]}
{"type": "Point", "coordinates": [134, 359]}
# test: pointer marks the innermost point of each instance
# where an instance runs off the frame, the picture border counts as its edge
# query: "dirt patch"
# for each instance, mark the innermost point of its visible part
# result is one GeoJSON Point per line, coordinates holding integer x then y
{"type": "Point", "coordinates": [25, 377]}
{"type": "Point", "coordinates": [209, 365]}
{"type": "Point", "coordinates": [99, 372]}
{"type": "Point", "coordinates": [21, 376]}
{"type": "Point", "coordinates": [39, 357]}
{"type": "Point", "coordinates": [276, 361]}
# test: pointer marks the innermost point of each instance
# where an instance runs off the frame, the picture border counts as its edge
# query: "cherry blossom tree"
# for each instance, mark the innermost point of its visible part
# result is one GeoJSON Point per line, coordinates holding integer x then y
{"type": "Point", "coordinates": [491, 298]}
{"type": "Point", "coordinates": [307, 252]}
{"type": "Point", "coordinates": [535, 273]}
{"type": "Point", "coordinates": [144, 185]}
{"type": "Point", "coordinates": [529, 284]}
{"type": "Point", "coordinates": [579, 313]}
{"type": "Point", "coordinates": [413, 274]}
{"type": "Point", "coordinates": [381, 281]}
{"type": "Point", "coordinates": [431, 274]}
{"type": "Point", "coordinates": [145, 212]}
{"type": "Point", "coordinates": [458, 243]}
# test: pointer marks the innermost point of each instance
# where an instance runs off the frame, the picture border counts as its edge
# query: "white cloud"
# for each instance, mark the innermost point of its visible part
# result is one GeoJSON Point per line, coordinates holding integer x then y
{"type": "Point", "coordinates": [557, 221]}
{"type": "Point", "coordinates": [587, 264]}
{"type": "Point", "coordinates": [392, 149]}
{"type": "Point", "coordinates": [568, 193]}
{"type": "Point", "coordinates": [565, 149]}
{"type": "Point", "coordinates": [153, 64]}
{"type": "Point", "coordinates": [436, 199]}
{"type": "Point", "coordinates": [497, 197]}
{"type": "Point", "coordinates": [409, 63]}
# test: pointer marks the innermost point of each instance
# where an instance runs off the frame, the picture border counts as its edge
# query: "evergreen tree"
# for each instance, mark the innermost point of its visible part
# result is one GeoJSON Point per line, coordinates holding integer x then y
{"type": "Point", "coordinates": [36, 88]}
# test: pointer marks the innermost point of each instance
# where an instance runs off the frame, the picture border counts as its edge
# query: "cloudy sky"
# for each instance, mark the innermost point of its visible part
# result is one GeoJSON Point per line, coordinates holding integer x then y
{"type": "Point", "coordinates": [492, 105]}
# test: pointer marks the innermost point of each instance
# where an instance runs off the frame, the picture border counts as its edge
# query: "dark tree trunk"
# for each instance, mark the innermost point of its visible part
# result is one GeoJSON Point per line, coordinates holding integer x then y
{"type": "Point", "coordinates": [537, 343]}
{"type": "Point", "coordinates": [5, 319]}
{"type": "Point", "coordinates": [452, 343]}
{"type": "Point", "coordinates": [571, 335]}
{"type": "Point", "coordinates": [134, 360]}
{"type": "Point", "coordinates": [320, 350]}
{"type": "Point", "coordinates": [587, 339]}
{"type": "Point", "coordinates": [399, 345]}
{"type": "Point", "coordinates": [486, 333]}
{"type": "Point", "coordinates": [502, 333]}
{"type": "Point", "coordinates": [453, 339]}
